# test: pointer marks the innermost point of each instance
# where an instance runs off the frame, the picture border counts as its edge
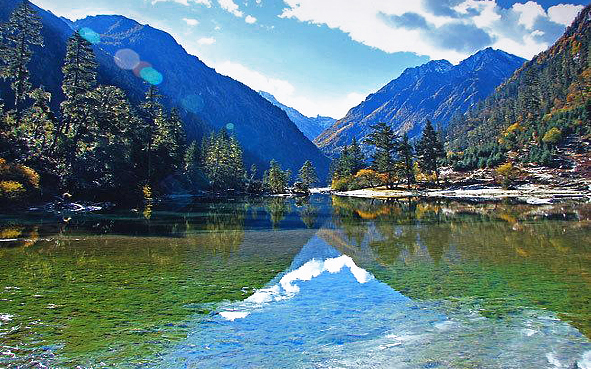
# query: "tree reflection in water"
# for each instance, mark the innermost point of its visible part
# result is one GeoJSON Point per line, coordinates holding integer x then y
{"type": "Point", "coordinates": [278, 208]}
{"type": "Point", "coordinates": [500, 257]}
{"type": "Point", "coordinates": [308, 212]}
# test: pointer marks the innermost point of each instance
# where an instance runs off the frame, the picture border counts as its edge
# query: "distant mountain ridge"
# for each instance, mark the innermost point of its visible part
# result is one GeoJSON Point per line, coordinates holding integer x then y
{"type": "Point", "coordinates": [437, 90]}
{"type": "Point", "coordinates": [208, 100]}
{"type": "Point", "coordinates": [311, 127]}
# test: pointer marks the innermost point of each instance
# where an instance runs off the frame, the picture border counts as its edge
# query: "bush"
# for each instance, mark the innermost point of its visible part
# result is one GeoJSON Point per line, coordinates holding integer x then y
{"type": "Point", "coordinates": [553, 136]}
{"type": "Point", "coordinates": [17, 181]}
{"type": "Point", "coordinates": [342, 184]}
{"type": "Point", "coordinates": [11, 190]}
{"type": "Point", "coordinates": [368, 178]}
{"type": "Point", "coordinates": [507, 173]}
{"type": "Point", "coordinates": [365, 178]}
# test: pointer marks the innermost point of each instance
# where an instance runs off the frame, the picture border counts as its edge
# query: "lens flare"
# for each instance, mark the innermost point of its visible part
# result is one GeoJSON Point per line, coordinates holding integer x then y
{"type": "Point", "coordinates": [137, 70]}
{"type": "Point", "coordinates": [230, 126]}
{"type": "Point", "coordinates": [126, 59]}
{"type": "Point", "coordinates": [89, 35]}
{"type": "Point", "coordinates": [151, 75]}
{"type": "Point", "coordinates": [193, 103]}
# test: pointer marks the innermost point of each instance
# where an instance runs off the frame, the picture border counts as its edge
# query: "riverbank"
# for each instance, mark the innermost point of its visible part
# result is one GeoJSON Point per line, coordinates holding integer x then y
{"type": "Point", "coordinates": [526, 193]}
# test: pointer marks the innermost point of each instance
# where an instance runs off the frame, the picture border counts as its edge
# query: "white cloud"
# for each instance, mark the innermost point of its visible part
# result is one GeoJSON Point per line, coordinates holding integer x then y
{"type": "Point", "coordinates": [335, 106]}
{"type": "Point", "coordinates": [419, 26]}
{"type": "Point", "coordinates": [564, 13]}
{"type": "Point", "coordinates": [231, 7]}
{"type": "Point", "coordinates": [206, 41]}
{"type": "Point", "coordinates": [191, 22]}
{"type": "Point", "coordinates": [528, 13]}
{"type": "Point", "coordinates": [255, 80]}
{"type": "Point", "coordinates": [250, 19]}
{"type": "Point", "coordinates": [486, 12]}
{"type": "Point", "coordinates": [207, 3]}
{"type": "Point", "coordinates": [365, 22]}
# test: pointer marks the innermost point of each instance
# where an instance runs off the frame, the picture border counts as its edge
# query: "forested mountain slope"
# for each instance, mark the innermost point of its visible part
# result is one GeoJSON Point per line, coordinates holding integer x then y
{"type": "Point", "coordinates": [546, 104]}
{"type": "Point", "coordinates": [208, 100]}
{"type": "Point", "coordinates": [436, 90]}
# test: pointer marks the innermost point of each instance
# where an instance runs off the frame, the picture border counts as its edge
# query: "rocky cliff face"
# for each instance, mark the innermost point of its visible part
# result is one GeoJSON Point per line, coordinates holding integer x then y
{"type": "Point", "coordinates": [437, 91]}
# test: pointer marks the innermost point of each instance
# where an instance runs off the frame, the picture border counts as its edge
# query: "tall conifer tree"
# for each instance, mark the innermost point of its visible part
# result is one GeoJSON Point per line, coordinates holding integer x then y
{"type": "Point", "coordinates": [405, 152]}
{"type": "Point", "coordinates": [430, 150]}
{"type": "Point", "coordinates": [307, 174]}
{"type": "Point", "coordinates": [22, 31]}
{"type": "Point", "coordinates": [385, 143]}
{"type": "Point", "coordinates": [79, 71]}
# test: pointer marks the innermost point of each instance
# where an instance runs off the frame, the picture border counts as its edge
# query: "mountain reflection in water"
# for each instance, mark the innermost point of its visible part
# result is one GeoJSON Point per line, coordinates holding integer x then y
{"type": "Point", "coordinates": [319, 282]}
{"type": "Point", "coordinates": [325, 311]}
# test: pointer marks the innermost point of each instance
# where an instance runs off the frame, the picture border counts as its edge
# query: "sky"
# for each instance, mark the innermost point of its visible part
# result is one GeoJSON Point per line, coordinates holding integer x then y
{"type": "Point", "coordinates": [324, 57]}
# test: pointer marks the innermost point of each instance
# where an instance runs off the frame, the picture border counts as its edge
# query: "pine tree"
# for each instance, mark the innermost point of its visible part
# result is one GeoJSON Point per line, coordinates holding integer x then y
{"type": "Point", "coordinates": [307, 174]}
{"type": "Point", "coordinates": [341, 167]}
{"type": "Point", "coordinates": [37, 124]}
{"type": "Point", "coordinates": [79, 67]}
{"type": "Point", "coordinates": [430, 150]}
{"type": "Point", "coordinates": [152, 118]}
{"type": "Point", "coordinates": [79, 71]}
{"type": "Point", "coordinates": [178, 141]}
{"type": "Point", "coordinates": [103, 148]}
{"type": "Point", "coordinates": [357, 158]}
{"type": "Point", "coordinates": [236, 172]}
{"type": "Point", "coordinates": [190, 163]}
{"type": "Point", "coordinates": [22, 31]}
{"type": "Point", "coordinates": [275, 179]}
{"type": "Point", "coordinates": [168, 142]}
{"type": "Point", "coordinates": [383, 139]}
{"type": "Point", "coordinates": [223, 161]}
{"type": "Point", "coordinates": [405, 153]}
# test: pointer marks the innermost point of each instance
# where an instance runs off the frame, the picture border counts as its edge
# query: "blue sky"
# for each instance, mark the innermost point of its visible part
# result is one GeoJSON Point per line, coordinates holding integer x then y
{"type": "Point", "coordinates": [324, 56]}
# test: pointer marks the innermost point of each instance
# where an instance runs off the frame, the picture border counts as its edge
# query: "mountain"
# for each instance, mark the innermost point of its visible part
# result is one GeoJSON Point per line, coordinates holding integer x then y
{"type": "Point", "coordinates": [541, 115]}
{"type": "Point", "coordinates": [209, 101]}
{"type": "Point", "coordinates": [554, 85]}
{"type": "Point", "coordinates": [437, 90]}
{"type": "Point", "coordinates": [311, 127]}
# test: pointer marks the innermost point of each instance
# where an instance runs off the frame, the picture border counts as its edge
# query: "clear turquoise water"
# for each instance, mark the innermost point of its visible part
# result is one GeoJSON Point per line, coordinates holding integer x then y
{"type": "Point", "coordinates": [324, 283]}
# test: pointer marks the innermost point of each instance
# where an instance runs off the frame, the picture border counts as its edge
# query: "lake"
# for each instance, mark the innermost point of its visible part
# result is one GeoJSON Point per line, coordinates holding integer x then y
{"type": "Point", "coordinates": [324, 282]}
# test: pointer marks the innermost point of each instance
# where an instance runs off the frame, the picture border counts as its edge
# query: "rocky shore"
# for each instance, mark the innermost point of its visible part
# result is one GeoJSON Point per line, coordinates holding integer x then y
{"type": "Point", "coordinates": [527, 193]}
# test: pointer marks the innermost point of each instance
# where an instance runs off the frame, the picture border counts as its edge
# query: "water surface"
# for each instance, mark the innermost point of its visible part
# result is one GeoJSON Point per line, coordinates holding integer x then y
{"type": "Point", "coordinates": [324, 282]}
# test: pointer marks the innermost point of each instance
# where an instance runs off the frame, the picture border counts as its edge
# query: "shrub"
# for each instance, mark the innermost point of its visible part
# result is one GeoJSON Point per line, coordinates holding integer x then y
{"type": "Point", "coordinates": [342, 184]}
{"type": "Point", "coordinates": [368, 178]}
{"type": "Point", "coordinates": [17, 181]}
{"type": "Point", "coordinates": [508, 174]}
{"type": "Point", "coordinates": [553, 136]}
{"type": "Point", "coordinates": [11, 190]}
{"type": "Point", "coordinates": [28, 175]}
{"type": "Point", "coordinates": [363, 179]}
{"type": "Point", "coordinates": [20, 173]}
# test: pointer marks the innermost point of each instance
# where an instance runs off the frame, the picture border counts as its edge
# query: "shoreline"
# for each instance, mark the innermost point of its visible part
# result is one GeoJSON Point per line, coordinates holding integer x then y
{"type": "Point", "coordinates": [534, 194]}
